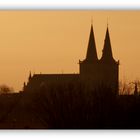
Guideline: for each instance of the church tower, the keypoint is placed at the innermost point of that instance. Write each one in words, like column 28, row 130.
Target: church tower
column 107, row 55
column 91, row 51
column 103, row 72
column 109, row 67
column 88, row 66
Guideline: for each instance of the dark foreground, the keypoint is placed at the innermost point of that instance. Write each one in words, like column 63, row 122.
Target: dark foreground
column 71, row 107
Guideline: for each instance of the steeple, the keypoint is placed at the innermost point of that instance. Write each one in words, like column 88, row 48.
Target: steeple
column 107, row 51
column 24, row 86
column 30, row 76
column 91, row 51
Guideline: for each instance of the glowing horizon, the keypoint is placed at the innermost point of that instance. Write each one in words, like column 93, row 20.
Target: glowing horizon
column 54, row 41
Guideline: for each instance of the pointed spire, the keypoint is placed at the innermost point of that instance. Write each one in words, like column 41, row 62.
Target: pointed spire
column 24, row 86
column 91, row 21
column 91, row 51
column 30, row 75
column 107, row 50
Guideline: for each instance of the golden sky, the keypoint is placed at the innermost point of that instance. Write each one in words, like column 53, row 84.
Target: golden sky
column 54, row 41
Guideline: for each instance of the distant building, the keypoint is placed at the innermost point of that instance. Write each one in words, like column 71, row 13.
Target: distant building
column 93, row 72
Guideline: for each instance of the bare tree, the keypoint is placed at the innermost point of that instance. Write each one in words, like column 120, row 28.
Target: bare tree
column 125, row 88
column 4, row 89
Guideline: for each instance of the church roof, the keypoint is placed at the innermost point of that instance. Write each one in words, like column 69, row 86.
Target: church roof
column 91, row 51
column 54, row 77
column 107, row 50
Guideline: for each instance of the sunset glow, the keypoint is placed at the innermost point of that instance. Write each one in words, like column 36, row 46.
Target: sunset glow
column 54, row 41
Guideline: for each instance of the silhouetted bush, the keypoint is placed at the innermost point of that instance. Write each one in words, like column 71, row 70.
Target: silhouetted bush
column 4, row 89
column 72, row 106
column 67, row 106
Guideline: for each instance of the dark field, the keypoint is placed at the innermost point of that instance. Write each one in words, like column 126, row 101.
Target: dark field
column 69, row 107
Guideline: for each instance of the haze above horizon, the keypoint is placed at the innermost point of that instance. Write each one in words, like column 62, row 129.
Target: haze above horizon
column 54, row 41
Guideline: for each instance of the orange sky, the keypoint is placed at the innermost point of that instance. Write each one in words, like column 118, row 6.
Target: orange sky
column 54, row 41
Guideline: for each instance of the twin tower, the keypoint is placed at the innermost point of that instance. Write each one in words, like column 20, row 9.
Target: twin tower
column 93, row 72
column 104, row 71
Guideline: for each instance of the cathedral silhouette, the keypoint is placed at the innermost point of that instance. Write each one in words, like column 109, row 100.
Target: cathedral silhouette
column 93, row 72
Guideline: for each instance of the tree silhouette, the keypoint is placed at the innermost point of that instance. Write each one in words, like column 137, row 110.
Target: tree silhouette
column 4, row 89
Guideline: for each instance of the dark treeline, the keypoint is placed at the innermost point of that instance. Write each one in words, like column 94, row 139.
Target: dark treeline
column 74, row 106
column 70, row 107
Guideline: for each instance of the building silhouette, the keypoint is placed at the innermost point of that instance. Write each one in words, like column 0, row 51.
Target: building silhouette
column 93, row 72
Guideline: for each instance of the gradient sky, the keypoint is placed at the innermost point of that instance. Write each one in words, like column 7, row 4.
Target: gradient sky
column 54, row 41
